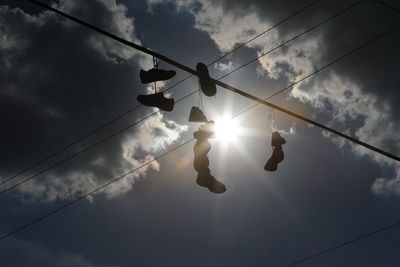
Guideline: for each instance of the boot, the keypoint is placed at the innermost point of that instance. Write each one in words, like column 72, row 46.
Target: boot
column 154, row 75
column 205, row 179
column 205, row 131
column 207, row 86
column 277, row 154
column 157, row 100
column 275, row 159
column 196, row 115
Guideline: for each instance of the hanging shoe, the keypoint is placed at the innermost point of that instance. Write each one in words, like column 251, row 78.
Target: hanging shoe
column 276, row 158
column 277, row 154
column 205, row 179
column 154, row 75
column 196, row 115
column 277, row 139
column 207, row 86
column 205, row 131
column 200, row 150
column 157, row 100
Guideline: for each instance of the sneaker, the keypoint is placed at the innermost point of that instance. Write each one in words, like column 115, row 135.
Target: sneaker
column 196, row 115
column 207, row 86
column 277, row 139
column 154, row 75
column 200, row 150
column 275, row 159
column 205, row 179
column 205, row 131
column 157, row 100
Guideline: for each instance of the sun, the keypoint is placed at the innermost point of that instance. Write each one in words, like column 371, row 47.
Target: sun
column 227, row 130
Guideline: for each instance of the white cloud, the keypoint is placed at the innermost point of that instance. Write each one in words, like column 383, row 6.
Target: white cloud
column 228, row 29
column 358, row 114
column 153, row 136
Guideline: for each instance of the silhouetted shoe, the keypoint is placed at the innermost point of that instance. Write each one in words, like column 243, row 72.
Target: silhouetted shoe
column 275, row 159
column 157, row 100
column 154, row 75
column 271, row 166
column 205, row 179
column 206, row 84
column 196, row 115
column 205, row 131
column 277, row 139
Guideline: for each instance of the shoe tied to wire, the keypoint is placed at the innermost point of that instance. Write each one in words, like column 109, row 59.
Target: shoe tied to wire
column 277, row 139
column 205, row 131
column 277, row 154
column 206, row 84
column 154, row 75
column 157, row 100
column 205, row 179
column 196, row 115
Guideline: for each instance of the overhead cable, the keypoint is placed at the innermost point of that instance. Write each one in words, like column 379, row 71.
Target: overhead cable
column 101, row 127
column 226, row 86
column 229, row 73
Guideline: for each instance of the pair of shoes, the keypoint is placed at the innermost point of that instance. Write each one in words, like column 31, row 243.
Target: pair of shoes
column 207, row 86
column 277, row 154
column 205, row 179
column 154, row 75
column 196, row 115
column 157, row 100
column 205, row 131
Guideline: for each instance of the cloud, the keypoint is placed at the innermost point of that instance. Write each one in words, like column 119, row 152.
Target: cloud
column 358, row 114
column 60, row 80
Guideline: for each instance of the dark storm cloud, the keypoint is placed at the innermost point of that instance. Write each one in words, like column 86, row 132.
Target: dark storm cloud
column 59, row 81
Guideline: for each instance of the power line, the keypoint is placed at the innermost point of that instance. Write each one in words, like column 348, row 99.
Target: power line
column 74, row 155
column 387, row 5
column 224, row 85
column 89, row 193
column 264, row 32
column 238, row 68
column 345, row 243
column 90, row 133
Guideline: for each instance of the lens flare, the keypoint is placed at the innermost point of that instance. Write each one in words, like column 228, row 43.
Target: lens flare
column 227, row 129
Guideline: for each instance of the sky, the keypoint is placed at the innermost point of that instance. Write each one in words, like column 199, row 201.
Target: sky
column 59, row 81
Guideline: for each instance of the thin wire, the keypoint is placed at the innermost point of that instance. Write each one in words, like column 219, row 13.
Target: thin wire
column 264, row 32
column 89, row 193
column 305, row 32
column 70, row 203
column 387, row 5
column 240, row 67
column 90, row 133
column 329, row 64
column 86, row 149
column 348, row 242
